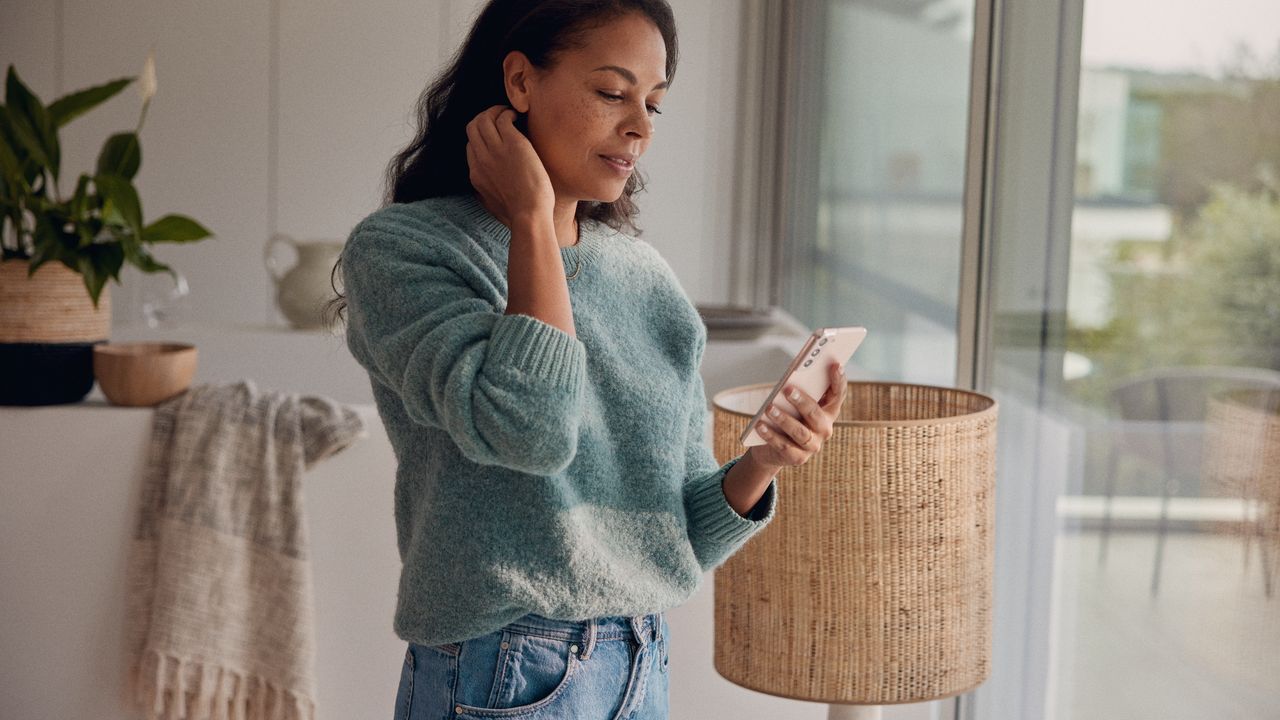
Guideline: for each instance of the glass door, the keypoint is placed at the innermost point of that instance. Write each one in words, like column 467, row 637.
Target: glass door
column 1135, row 350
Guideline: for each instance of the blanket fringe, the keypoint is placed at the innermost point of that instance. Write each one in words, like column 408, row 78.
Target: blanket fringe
column 158, row 687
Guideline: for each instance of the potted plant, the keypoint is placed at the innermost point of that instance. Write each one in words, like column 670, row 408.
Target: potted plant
column 58, row 251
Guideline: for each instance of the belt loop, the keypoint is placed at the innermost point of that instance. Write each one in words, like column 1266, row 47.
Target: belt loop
column 657, row 626
column 590, row 639
column 637, row 627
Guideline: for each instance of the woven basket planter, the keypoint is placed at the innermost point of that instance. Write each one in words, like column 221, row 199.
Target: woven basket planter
column 1242, row 459
column 1242, row 444
column 48, row 327
column 873, row 583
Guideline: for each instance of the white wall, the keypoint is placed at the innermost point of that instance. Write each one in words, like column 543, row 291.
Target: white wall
column 350, row 74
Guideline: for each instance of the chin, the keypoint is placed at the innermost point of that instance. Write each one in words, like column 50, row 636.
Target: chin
column 612, row 195
column 604, row 192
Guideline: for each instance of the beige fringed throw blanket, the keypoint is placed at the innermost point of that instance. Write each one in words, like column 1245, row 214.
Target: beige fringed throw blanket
column 219, row 589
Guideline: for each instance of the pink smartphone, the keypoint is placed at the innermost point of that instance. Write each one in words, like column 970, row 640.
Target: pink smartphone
column 809, row 371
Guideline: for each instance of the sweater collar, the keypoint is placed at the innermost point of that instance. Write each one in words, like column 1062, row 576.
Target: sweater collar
column 592, row 234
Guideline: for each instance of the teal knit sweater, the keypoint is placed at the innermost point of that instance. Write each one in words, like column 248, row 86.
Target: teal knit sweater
column 537, row 471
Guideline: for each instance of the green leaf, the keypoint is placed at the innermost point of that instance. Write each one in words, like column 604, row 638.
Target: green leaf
column 69, row 107
column 141, row 259
column 174, row 228
column 86, row 236
column 28, row 140
column 129, row 242
column 107, row 259
column 81, row 203
column 47, row 245
column 121, row 200
column 93, row 279
column 10, row 165
column 28, row 168
column 121, row 155
column 31, row 122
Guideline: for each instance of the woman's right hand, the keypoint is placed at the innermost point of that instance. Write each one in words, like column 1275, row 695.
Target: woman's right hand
column 506, row 170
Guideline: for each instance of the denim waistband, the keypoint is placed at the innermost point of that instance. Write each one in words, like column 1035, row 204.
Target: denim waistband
column 643, row 629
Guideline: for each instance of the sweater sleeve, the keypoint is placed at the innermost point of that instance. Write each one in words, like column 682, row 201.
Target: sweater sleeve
column 506, row 388
column 716, row 530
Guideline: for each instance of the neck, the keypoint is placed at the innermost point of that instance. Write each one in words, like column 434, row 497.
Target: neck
column 562, row 216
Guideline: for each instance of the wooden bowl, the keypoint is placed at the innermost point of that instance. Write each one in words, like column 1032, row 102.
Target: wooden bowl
column 143, row 373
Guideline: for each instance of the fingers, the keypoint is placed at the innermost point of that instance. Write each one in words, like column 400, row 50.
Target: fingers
column 475, row 129
column 778, row 441
column 483, row 136
column 801, row 400
column 506, row 122
column 473, row 165
column 798, row 438
column 488, row 131
column 793, row 428
column 487, row 125
column 834, row 396
column 474, row 141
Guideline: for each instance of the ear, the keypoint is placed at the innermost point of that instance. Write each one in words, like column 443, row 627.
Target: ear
column 517, row 76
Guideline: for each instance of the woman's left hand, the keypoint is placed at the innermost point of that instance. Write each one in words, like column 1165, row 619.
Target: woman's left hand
column 792, row 441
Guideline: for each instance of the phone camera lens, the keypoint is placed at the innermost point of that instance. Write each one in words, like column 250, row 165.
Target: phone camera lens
column 814, row 353
column 807, row 363
column 823, row 341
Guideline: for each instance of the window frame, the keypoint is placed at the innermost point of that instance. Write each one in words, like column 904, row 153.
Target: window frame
column 1017, row 193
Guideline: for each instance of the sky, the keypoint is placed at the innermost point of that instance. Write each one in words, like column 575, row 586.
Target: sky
column 1176, row 35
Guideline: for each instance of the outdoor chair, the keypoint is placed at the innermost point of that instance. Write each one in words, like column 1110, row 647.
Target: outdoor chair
column 1174, row 402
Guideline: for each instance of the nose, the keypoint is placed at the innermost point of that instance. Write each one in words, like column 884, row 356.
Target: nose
column 639, row 124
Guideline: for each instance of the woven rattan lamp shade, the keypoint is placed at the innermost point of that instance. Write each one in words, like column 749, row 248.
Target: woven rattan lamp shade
column 873, row 582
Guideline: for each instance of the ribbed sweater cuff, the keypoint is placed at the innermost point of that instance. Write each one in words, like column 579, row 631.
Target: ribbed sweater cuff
column 713, row 516
column 538, row 349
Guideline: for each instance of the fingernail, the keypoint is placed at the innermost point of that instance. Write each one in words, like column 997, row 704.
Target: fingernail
column 773, row 412
column 764, row 429
column 795, row 394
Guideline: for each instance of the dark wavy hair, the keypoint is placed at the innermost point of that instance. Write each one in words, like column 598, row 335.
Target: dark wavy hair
column 435, row 163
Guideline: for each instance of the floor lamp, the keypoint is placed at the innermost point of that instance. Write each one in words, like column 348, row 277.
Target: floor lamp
column 872, row 585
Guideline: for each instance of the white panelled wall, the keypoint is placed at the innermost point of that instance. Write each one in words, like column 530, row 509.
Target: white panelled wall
column 349, row 76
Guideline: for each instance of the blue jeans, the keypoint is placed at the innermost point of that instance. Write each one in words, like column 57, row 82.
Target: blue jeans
column 611, row 668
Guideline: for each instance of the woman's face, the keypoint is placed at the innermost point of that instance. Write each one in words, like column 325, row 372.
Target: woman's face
column 598, row 102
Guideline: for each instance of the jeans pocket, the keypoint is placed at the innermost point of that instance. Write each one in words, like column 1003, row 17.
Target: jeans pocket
column 510, row 673
column 404, row 694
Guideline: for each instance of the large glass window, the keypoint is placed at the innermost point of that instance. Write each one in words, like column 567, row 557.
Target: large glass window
column 1139, row 373
column 874, row 238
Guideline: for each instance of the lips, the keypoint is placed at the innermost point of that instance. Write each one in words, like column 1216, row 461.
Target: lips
column 622, row 162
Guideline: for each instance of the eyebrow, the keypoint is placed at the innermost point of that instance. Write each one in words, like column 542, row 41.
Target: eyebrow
column 630, row 76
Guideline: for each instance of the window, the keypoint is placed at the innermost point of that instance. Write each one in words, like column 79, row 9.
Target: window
column 1135, row 242
column 1074, row 206
column 867, row 209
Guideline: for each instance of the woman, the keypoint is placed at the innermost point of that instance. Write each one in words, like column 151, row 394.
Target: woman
column 537, row 372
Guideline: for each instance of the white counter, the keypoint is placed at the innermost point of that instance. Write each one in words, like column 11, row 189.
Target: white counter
column 68, row 500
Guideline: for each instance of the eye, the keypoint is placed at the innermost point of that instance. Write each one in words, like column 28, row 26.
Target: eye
column 653, row 109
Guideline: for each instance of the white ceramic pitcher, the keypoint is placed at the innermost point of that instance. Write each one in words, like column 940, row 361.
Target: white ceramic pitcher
column 303, row 289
